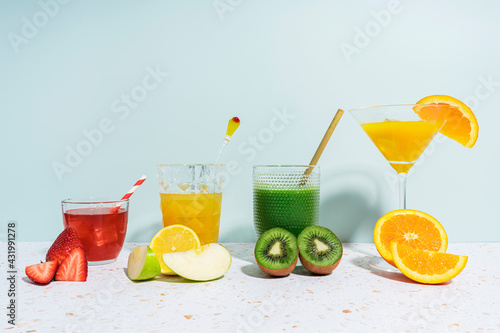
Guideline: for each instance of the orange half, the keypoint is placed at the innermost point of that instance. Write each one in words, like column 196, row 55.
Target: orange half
column 461, row 124
column 426, row 266
column 411, row 227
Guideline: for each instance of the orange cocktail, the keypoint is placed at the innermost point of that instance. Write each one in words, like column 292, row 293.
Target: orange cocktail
column 198, row 211
column 401, row 142
column 400, row 134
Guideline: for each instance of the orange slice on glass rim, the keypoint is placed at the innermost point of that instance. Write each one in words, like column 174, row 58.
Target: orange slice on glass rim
column 426, row 266
column 461, row 124
column 411, row 227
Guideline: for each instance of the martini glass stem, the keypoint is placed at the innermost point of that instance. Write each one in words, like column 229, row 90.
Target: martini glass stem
column 402, row 190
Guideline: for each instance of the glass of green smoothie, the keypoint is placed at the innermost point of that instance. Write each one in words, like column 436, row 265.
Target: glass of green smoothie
column 285, row 196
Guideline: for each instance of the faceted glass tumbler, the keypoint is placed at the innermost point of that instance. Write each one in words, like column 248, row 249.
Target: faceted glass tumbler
column 191, row 195
column 285, row 196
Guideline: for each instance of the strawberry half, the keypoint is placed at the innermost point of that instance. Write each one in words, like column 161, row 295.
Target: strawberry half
column 74, row 267
column 42, row 273
column 64, row 244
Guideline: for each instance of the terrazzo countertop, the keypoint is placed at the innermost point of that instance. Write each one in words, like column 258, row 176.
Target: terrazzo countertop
column 356, row 297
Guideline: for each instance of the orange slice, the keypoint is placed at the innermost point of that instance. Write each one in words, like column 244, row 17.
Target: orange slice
column 461, row 124
column 174, row 238
column 426, row 266
column 411, row 227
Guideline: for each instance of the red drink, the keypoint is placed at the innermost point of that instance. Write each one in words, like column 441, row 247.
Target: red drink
column 102, row 233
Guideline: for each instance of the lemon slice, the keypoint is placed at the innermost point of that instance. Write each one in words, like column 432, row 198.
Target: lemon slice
column 174, row 238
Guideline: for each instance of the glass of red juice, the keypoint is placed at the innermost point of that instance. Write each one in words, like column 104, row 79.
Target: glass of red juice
column 100, row 224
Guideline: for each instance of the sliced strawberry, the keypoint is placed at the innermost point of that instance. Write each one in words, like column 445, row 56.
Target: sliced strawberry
column 64, row 244
column 74, row 267
column 42, row 273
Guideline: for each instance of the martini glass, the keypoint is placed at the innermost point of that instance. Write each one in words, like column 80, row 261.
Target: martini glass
column 400, row 134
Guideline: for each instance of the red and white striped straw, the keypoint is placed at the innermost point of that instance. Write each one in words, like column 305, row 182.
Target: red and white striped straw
column 129, row 193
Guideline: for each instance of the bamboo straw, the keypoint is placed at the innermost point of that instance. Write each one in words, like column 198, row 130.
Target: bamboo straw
column 322, row 145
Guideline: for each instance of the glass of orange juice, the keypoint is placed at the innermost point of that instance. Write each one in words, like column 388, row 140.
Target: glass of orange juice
column 191, row 195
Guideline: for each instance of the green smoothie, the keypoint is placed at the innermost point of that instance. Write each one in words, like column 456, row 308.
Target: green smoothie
column 292, row 209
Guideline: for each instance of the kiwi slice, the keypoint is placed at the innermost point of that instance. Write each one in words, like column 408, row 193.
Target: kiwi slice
column 276, row 252
column 320, row 250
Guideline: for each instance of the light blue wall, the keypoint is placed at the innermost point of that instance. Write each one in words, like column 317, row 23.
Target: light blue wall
column 252, row 59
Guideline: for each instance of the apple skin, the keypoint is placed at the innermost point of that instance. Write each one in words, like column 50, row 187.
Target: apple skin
column 278, row 272
column 151, row 266
column 320, row 270
column 209, row 262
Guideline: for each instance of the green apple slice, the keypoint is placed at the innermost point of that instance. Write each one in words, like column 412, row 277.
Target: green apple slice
column 143, row 264
column 208, row 262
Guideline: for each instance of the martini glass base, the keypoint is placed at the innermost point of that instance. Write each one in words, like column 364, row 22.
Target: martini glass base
column 380, row 264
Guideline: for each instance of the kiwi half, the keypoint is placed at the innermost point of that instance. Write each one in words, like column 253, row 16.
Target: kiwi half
column 276, row 252
column 320, row 250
